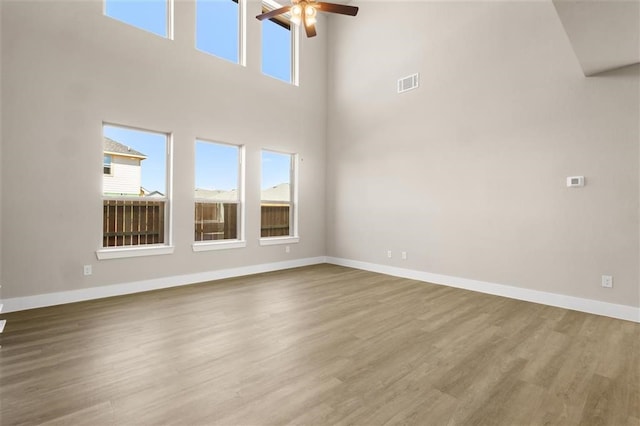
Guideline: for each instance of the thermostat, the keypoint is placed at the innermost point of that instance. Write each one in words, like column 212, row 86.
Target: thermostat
column 575, row 181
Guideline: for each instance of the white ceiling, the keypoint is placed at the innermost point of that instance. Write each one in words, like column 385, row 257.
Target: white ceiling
column 605, row 34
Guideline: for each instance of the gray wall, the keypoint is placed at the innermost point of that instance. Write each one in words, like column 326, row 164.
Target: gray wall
column 66, row 68
column 467, row 173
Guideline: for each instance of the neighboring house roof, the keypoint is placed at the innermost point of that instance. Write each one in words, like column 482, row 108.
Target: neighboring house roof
column 280, row 192
column 216, row 194
column 148, row 193
column 116, row 148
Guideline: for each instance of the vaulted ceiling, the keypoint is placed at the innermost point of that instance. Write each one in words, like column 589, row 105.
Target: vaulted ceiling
column 604, row 34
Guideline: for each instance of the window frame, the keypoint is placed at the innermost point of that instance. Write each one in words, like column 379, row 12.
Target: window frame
column 169, row 25
column 104, row 165
column 293, row 236
column 242, row 25
column 294, row 30
column 117, row 252
column 240, row 241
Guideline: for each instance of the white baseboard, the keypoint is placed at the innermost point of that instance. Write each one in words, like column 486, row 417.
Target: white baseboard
column 60, row 298
column 625, row 312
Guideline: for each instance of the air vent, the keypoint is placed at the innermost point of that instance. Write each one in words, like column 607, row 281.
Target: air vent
column 408, row 83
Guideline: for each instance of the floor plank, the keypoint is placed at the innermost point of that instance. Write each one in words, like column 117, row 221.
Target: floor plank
column 319, row 345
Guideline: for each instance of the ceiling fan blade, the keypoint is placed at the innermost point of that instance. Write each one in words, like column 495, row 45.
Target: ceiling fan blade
column 272, row 13
column 342, row 9
column 309, row 27
column 311, row 30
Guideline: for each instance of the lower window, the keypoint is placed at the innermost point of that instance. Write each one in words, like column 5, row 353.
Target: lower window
column 135, row 200
column 277, row 198
column 218, row 195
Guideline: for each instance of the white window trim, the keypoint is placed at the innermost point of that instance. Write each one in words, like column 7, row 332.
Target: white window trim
column 242, row 31
column 295, row 44
column 294, row 237
column 120, row 252
column 295, row 54
column 170, row 20
column 273, row 241
column 217, row 245
column 133, row 251
column 209, row 245
column 294, row 194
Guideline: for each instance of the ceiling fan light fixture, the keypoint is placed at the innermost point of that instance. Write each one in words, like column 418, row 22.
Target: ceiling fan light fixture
column 310, row 11
column 304, row 12
column 296, row 14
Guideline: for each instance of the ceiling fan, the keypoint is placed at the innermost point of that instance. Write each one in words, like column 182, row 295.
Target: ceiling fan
column 305, row 11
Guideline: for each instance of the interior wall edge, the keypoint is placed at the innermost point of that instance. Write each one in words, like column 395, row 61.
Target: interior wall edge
column 63, row 297
column 623, row 312
column 612, row 310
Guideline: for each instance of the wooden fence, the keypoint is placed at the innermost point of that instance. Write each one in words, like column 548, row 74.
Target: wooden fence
column 274, row 220
column 216, row 221
column 132, row 222
column 140, row 222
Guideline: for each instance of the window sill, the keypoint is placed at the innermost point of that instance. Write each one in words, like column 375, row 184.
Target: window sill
column 120, row 253
column 218, row 245
column 272, row 241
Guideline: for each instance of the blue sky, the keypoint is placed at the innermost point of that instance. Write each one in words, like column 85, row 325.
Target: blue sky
column 216, row 165
column 276, row 48
column 216, row 30
column 276, row 169
column 216, row 34
column 150, row 15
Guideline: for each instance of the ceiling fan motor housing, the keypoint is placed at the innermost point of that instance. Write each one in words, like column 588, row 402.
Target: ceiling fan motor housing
column 304, row 12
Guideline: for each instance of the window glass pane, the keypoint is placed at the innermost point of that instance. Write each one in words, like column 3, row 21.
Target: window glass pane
column 135, row 203
column 138, row 162
column 216, row 171
column 216, row 191
column 149, row 15
column 276, row 51
column 215, row 221
column 276, row 176
column 276, row 188
column 106, row 166
column 217, row 28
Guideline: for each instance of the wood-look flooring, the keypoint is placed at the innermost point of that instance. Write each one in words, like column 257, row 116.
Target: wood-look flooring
column 320, row 345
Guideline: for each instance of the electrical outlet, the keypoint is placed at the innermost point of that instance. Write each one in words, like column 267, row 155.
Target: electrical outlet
column 287, row 249
column 87, row 270
column 389, row 254
column 404, row 255
column 607, row 281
